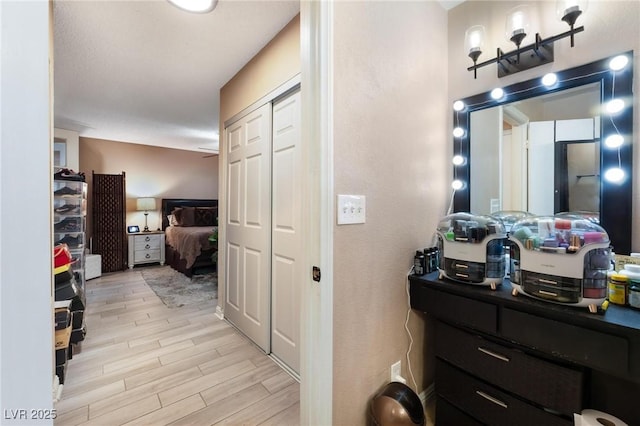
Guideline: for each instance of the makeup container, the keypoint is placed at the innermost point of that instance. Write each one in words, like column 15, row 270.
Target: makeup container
column 472, row 249
column 560, row 260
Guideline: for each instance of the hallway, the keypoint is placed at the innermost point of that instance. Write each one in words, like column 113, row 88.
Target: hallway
column 145, row 363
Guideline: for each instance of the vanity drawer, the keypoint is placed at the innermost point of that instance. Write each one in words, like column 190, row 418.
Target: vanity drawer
column 603, row 351
column 449, row 415
column 488, row 404
column 461, row 310
column 548, row 384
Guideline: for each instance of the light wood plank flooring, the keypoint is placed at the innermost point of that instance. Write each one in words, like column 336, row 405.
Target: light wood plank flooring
column 143, row 363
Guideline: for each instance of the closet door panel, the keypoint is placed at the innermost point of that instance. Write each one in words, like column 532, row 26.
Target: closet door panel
column 248, row 226
column 287, row 272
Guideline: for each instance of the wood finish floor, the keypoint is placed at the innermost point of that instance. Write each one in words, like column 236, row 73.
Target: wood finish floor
column 143, row 363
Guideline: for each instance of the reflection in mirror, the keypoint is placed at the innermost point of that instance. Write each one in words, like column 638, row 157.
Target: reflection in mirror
column 59, row 153
column 545, row 149
column 548, row 151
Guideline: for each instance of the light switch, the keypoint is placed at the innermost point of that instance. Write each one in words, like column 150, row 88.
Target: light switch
column 351, row 209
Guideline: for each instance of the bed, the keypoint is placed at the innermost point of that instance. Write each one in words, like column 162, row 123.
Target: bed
column 188, row 248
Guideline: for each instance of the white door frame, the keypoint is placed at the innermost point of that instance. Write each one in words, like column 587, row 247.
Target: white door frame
column 316, row 321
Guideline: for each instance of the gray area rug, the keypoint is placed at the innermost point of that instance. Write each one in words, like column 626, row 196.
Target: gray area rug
column 176, row 290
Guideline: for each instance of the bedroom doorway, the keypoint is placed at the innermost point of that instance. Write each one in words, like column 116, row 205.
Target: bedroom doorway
column 263, row 240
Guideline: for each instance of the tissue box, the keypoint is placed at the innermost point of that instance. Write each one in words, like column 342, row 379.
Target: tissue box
column 92, row 266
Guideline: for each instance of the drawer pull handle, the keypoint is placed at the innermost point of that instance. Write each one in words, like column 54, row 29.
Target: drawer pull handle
column 492, row 399
column 462, row 275
column 147, row 238
column 461, row 266
column 548, row 293
column 547, row 281
column 148, row 256
column 147, row 246
column 493, row 354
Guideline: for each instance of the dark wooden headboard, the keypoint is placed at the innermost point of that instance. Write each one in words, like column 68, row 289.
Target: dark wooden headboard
column 168, row 204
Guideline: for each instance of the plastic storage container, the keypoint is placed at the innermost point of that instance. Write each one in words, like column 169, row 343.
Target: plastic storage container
column 560, row 259
column 472, row 249
column 510, row 217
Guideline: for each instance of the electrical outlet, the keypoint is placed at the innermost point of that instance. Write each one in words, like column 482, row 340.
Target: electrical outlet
column 396, row 371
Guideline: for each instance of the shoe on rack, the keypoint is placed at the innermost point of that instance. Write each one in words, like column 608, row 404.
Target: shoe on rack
column 68, row 174
column 62, row 259
column 65, row 191
column 67, row 208
column 67, row 224
column 63, row 277
column 72, row 242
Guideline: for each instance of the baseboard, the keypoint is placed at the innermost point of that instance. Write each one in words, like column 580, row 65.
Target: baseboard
column 427, row 394
column 219, row 312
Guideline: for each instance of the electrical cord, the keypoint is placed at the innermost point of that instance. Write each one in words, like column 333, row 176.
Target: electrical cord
column 406, row 327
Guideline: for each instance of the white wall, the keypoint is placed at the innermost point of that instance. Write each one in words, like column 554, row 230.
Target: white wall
column 390, row 144
column 26, row 319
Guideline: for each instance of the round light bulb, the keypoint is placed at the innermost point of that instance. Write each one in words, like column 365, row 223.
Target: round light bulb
column 614, row 174
column 615, row 106
column 458, row 106
column 497, row 93
column 458, row 160
column 457, row 184
column 618, row 63
column 458, row 132
column 549, row 79
column 614, row 141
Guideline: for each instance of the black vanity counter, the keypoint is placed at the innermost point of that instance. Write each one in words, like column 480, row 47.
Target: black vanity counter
column 604, row 348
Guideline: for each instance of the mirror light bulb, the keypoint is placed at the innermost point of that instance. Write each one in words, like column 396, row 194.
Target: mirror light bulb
column 457, row 184
column 458, row 160
column 458, row 106
column 615, row 106
column 549, row 79
column 618, row 63
column 614, row 174
column 614, row 141
column 497, row 93
column 458, row 132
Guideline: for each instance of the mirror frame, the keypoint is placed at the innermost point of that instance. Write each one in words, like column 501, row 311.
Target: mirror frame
column 615, row 198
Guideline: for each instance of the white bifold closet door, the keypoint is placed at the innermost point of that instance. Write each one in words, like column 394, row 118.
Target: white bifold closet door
column 263, row 244
column 286, row 270
column 248, row 227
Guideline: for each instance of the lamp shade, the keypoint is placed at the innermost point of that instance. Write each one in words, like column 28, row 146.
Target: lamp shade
column 517, row 26
column 570, row 10
column 145, row 204
column 474, row 39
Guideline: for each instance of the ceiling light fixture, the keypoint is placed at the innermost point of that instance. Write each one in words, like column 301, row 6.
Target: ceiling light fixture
column 539, row 52
column 195, row 6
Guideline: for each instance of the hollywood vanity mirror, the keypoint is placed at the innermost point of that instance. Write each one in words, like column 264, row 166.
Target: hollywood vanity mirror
column 564, row 144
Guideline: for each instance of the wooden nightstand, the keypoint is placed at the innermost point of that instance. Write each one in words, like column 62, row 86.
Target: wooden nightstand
column 146, row 247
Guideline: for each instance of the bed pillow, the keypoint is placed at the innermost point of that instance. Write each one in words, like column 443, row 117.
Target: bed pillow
column 205, row 216
column 172, row 220
column 184, row 216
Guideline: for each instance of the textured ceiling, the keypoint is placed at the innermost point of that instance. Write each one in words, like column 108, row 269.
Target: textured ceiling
column 146, row 72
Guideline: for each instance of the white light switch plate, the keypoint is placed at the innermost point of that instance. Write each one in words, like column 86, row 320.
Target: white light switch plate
column 351, row 209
